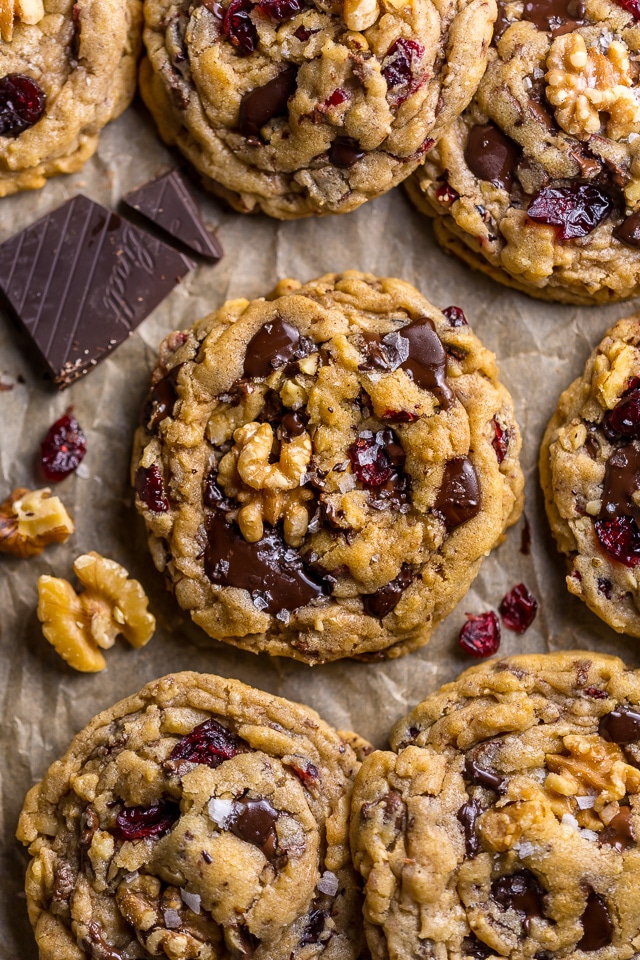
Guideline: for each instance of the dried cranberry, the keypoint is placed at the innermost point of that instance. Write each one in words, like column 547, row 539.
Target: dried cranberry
column 500, row 442
column 239, row 28
column 631, row 6
column 624, row 419
column 401, row 66
column 620, row 538
column 455, row 316
column 136, row 823
column 596, row 693
column 305, row 770
column 302, row 34
column 400, row 416
column 150, row 489
column 518, row 609
column 281, row 10
column 63, row 448
column 209, row 743
column 338, row 97
column 605, row 586
column 480, row 636
column 370, row 457
column 575, row 211
column 446, row 194
column 22, row 103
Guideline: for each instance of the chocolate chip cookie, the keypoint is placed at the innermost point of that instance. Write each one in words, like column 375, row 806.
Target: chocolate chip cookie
column 66, row 69
column 298, row 107
column 505, row 822
column 200, row 819
column 590, row 474
column 538, row 184
column 322, row 472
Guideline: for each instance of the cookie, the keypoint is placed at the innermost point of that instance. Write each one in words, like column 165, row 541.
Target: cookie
column 538, row 184
column 299, row 107
column 66, row 69
column 590, row 474
column 505, row 822
column 322, row 472
column 199, row 819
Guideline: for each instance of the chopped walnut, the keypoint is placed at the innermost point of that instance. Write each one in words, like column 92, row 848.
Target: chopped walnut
column 30, row 520
column 360, row 14
column 268, row 491
column 28, row 11
column 583, row 83
column 592, row 764
column 78, row 625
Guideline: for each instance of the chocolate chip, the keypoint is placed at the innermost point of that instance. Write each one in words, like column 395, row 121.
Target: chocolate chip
column 344, row 152
column 482, row 777
column 254, row 821
column 459, row 497
column 315, row 926
column 472, row 947
column 293, row 425
column 555, row 16
column 468, row 815
column 386, row 598
column 621, row 481
column 619, row 832
column 521, row 892
column 621, row 726
column 263, row 104
column 273, row 346
column 491, row 155
column 596, row 924
column 629, row 230
column 427, row 360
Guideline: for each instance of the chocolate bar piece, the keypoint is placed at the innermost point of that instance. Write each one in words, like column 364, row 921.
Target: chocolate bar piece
column 81, row 279
column 168, row 203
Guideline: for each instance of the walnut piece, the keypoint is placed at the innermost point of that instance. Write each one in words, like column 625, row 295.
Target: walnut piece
column 30, row 520
column 592, row 765
column 360, row 14
column 27, row 11
column 268, row 491
column 78, row 625
column 583, row 83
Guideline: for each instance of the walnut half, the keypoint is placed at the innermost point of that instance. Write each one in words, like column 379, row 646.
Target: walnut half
column 78, row 626
column 28, row 11
column 31, row 519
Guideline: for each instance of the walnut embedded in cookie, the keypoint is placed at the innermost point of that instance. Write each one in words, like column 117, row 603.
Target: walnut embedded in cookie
column 538, row 183
column 298, row 107
column 322, row 472
column 506, row 821
column 198, row 820
column 590, row 473
column 66, row 69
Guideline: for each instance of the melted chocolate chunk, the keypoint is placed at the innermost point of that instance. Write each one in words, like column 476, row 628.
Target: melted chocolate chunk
column 491, row 155
column 314, row 928
column 621, row 481
column 520, row 891
column 268, row 569
column 254, row 821
column 344, row 152
column 555, row 16
column 468, row 815
column 502, row 23
column 293, row 425
column 619, row 833
column 472, row 947
column 160, row 400
column 629, row 230
column 427, row 360
column 596, row 923
column 483, row 778
column 459, row 496
column 621, row 726
column 386, row 598
column 96, row 945
column 273, row 346
column 263, row 104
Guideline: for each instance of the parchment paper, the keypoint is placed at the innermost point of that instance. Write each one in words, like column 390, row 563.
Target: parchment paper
column 541, row 348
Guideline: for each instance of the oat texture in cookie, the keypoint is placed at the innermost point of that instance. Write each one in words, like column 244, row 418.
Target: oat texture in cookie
column 538, row 183
column 322, row 471
column 504, row 822
column 198, row 820
column 298, row 107
column 66, row 69
column 590, row 474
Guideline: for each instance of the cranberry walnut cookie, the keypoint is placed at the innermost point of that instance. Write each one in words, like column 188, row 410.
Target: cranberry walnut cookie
column 200, row 818
column 505, row 822
column 538, row 184
column 322, row 472
column 590, row 474
column 67, row 67
column 298, row 107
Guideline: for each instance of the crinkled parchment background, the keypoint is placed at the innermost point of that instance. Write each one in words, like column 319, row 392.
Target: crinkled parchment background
column 541, row 348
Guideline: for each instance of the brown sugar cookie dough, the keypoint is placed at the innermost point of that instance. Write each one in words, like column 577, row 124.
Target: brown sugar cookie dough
column 538, row 184
column 298, row 107
column 505, row 822
column 200, row 819
column 322, row 472
column 590, row 474
column 66, row 69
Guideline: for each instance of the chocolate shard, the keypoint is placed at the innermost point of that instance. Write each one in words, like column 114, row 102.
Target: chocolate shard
column 168, row 203
column 81, row 279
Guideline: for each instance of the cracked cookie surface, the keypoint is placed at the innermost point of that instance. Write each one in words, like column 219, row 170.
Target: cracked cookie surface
column 538, row 183
column 505, row 821
column 590, row 474
column 200, row 819
column 65, row 72
column 298, row 107
column 322, row 472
